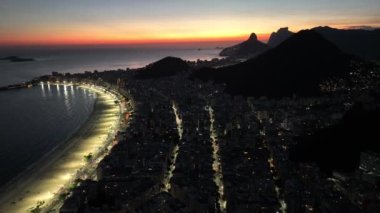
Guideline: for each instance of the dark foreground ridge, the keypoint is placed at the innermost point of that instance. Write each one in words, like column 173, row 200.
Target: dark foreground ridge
column 297, row 66
column 360, row 42
column 163, row 68
column 353, row 135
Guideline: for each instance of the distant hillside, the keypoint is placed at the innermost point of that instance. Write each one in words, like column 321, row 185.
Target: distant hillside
column 16, row 59
column 296, row 66
column 248, row 48
column 278, row 37
column 338, row 147
column 360, row 42
column 163, row 68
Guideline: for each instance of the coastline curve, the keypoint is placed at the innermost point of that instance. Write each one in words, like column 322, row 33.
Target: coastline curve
column 43, row 185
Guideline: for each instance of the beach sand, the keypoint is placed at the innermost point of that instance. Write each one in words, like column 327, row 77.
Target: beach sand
column 57, row 169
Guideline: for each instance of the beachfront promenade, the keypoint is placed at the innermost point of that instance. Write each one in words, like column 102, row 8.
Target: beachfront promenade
column 46, row 184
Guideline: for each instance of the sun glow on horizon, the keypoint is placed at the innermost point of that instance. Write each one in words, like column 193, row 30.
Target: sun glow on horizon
column 73, row 22
column 99, row 36
column 98, row 41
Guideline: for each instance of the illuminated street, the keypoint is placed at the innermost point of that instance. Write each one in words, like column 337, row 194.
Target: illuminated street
column 216, row 165
column 275, row 178
column 273, row 171
column 173, row 159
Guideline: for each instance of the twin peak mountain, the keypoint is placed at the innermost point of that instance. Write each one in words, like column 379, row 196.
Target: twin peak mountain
column 364, row 43
column 253, row 46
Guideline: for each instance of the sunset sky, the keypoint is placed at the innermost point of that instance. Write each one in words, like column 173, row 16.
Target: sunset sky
column 41, row 22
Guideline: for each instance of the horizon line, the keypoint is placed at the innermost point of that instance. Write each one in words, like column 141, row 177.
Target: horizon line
column 75, row 42
column 135, row 42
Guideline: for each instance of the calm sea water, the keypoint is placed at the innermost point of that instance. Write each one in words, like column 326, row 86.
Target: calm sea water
column 34, row 121
column 86, row 59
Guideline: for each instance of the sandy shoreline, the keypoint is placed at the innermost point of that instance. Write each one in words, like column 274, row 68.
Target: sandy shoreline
column 56, row 169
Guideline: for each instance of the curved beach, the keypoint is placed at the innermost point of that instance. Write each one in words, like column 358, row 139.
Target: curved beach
column 56, row 171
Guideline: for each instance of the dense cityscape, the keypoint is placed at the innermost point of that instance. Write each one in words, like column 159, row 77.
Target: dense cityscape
column 196, row 106
column 190, row 147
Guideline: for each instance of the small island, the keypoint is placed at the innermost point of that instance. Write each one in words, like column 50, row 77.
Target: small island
column 17, row 59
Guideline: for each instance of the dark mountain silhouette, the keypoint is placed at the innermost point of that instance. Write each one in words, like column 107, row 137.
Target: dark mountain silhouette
column 360, row 42
column 248, row 48
column 296, row 66
column 163, row 68
column 339, row 147
column 278, row 37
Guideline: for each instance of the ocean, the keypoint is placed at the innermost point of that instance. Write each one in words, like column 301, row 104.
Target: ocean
column 34, row 121
column 75, row 60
